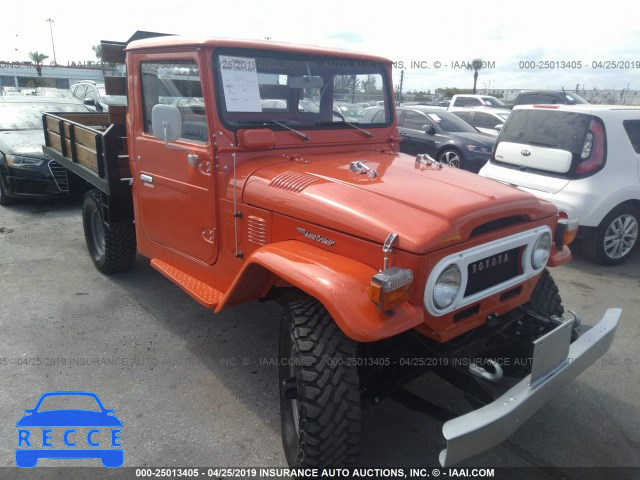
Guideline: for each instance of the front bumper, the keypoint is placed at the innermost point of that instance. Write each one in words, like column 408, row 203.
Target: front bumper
column 44, row 180
column 490, row 425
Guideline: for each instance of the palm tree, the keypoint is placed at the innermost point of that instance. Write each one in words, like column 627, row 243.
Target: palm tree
column 38, row 58
column 97, row 50
column 475, row 65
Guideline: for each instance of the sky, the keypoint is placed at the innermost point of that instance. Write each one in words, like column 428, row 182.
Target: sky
column 514, row 38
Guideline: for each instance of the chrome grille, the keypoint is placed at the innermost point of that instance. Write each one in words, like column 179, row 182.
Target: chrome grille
column 59, row 175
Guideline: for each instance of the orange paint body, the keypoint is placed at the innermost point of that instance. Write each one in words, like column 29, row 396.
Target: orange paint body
column 302, row 217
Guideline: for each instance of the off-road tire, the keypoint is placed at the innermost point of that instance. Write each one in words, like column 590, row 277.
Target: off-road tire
column 315, row 360
column 594, row 247
column 545, row 298
column 112, row 250
column 4, row 199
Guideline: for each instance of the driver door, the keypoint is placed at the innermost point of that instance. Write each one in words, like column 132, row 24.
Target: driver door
column 175, row 197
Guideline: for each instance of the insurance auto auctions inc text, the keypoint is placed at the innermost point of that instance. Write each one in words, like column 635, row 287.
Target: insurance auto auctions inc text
column 352, row 472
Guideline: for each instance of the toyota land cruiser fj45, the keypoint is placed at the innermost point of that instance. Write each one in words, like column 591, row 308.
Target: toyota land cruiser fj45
column 233, row 173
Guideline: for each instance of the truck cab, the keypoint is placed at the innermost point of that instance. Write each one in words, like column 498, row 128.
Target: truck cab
column 243, row 183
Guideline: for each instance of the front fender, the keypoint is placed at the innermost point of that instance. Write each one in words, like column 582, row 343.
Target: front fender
column 340, row 284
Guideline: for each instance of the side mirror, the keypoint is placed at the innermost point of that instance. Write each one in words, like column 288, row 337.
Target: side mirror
column 89, row 101
column 499, row 126
column 166, row 125
column 166, row 122
column 429, row 129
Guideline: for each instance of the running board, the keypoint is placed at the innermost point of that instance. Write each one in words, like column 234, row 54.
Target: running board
column 201, row 292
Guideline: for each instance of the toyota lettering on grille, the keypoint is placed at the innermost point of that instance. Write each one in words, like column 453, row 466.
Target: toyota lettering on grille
column 489, row 262
column 491, row 271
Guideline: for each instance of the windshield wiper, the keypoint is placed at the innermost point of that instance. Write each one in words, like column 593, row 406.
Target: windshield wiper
column 352, row 125
column 297, row 132
column 280, row 124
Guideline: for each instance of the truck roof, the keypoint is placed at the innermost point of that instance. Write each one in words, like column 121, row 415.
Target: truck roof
column 179, row 41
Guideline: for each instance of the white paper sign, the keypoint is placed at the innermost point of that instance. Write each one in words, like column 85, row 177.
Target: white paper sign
column 240, row 84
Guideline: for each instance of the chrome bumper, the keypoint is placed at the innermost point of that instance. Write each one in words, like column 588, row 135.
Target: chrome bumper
column 486, row 427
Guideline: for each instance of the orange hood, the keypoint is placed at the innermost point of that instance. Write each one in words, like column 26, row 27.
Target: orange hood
column 428, row 208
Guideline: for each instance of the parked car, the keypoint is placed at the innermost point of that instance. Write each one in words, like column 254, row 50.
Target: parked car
column 548, row 97
column 472, row 100
column 374, row 115
column 584, row 159
column 93, row 94
column 444, row 136
column 24, row 170
column 487, row 120
column 350, row 111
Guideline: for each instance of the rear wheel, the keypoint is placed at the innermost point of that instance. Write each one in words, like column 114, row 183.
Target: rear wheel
column 616, row 237
column 319, row 389
column 112, row 247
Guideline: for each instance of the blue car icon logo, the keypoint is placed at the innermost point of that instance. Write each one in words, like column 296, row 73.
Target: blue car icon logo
column 69, row 433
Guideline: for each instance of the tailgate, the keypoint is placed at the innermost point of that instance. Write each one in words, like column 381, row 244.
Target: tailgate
column 530, row 180
column 532, row 156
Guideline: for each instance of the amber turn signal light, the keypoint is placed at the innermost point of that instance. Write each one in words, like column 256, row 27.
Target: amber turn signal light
column 566, row 232
column 391, row 287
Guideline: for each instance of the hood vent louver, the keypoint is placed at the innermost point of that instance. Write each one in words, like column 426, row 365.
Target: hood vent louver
column 293, row 181
column 257, row 230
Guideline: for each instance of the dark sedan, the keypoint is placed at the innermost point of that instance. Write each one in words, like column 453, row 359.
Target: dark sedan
column 25, row 172
column 444, row 136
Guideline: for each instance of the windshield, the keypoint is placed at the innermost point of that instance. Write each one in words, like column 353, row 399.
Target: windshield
column 492, row 101
column 573, row 98
column 450, row 122
column 302, row 91
column 555, row 129
column 28, row 116
column 503, row 116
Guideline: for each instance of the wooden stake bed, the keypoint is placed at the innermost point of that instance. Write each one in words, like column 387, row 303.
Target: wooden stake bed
column 89, row 146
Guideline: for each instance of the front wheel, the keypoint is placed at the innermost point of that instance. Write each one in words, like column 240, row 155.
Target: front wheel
column 616, row 237
column 319, row 389
column 451, row 158
column 4, row 199
column 112, row 246
column 545, row 298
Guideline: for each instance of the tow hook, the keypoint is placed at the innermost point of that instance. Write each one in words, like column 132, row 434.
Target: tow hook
column 480, row 372
column 577, row 319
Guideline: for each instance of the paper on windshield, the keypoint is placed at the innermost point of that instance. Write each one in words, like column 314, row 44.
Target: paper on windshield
column 240, row 84
column 434, row 117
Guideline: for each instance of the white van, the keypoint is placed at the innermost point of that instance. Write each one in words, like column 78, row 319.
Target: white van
column 586, row 160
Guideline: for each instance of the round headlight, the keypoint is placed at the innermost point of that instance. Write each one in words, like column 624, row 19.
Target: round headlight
column 541, row 251
column 447, row 287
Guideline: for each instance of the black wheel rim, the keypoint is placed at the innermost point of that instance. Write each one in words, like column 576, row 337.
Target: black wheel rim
column 97, row 233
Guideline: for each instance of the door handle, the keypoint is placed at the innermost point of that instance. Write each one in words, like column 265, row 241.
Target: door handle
column 146, row 178
column 403, row 134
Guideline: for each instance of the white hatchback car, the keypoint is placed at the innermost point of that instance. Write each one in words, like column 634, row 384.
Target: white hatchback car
column 586, row 160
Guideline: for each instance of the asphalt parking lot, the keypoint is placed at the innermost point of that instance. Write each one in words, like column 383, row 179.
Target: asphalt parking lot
column 196, row 389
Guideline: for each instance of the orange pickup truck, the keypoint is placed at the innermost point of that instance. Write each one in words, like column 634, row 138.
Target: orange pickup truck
column 234, row 172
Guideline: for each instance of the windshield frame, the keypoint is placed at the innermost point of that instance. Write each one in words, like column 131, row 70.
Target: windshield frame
column 356, row 66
